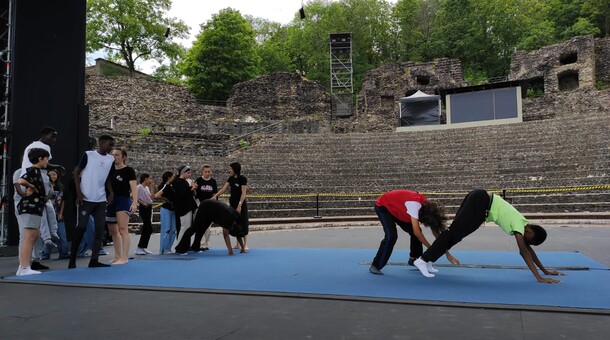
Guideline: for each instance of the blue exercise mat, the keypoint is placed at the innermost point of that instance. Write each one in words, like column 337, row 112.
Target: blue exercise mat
column 344, row 272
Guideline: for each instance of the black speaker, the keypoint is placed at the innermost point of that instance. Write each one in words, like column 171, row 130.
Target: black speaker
column 47, row 83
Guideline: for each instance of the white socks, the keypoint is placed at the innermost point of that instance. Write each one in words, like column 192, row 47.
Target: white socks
column 430, row 268
column 423, row 267
column 22, row 271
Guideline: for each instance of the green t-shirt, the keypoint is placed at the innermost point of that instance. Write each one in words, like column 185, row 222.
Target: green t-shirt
column 506, row 216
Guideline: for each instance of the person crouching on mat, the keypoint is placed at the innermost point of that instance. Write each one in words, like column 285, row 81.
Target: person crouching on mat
column 213, row 211
column 407, row 209
column 479, row 207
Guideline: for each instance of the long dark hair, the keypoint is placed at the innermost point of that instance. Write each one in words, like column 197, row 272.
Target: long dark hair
column 236, row 168
column 164, row 178
column 432, row 214
column 57, row 185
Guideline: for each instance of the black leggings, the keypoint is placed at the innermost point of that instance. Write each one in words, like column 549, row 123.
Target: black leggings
column 469, row 217
column 243, row 216
column 146, row 215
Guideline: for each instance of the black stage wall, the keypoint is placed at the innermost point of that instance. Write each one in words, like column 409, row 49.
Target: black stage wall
column 48, row 83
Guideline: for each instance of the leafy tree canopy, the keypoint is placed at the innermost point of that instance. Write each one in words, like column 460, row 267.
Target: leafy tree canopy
column 482, row 34
column 224, row 54
column 128, row 30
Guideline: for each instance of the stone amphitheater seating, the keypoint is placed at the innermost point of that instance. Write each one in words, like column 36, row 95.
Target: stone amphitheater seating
column 566, row 151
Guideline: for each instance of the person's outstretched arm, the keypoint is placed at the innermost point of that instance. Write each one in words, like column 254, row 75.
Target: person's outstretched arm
column 418, row 232
column 221, row 191
column 524, row 251
column 539, row 264
column 448, row 255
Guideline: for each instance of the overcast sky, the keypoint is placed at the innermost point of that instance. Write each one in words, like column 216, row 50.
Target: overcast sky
column 196, row 12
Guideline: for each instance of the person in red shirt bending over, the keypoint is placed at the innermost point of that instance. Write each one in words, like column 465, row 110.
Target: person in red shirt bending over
column 408, row 209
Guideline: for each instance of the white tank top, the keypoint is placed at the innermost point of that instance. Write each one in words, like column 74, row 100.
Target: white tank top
column 93, row 177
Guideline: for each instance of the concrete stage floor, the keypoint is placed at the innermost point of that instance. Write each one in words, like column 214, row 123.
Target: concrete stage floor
column 30, row 311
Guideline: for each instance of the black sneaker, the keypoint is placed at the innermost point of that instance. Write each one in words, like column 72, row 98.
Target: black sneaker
column 411, row 261
column 38, row 266
column 180, row 251
column 97, row 264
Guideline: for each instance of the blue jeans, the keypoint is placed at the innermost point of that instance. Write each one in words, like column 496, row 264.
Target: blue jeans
column 62, row 244
column 168, row 229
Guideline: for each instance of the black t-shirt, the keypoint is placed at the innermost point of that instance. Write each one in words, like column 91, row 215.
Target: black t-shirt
column 169, row 194
column 205, row 188
column 185, row 201
column 120, row 180
column 33, row 204
column 235, row 183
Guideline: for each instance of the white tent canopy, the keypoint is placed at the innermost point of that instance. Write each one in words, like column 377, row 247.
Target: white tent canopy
column 420, row 109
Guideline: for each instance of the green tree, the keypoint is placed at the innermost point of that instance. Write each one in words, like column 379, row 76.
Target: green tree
column 369, row 21
column 414, row 20
column 308, row 39
column 485, row 34
column 582, row 26
column 563, row 14
column 271, row 38
column 373, row 34
column 128, row 30
column 223, row 54
column 169, row 72
column 598, row 12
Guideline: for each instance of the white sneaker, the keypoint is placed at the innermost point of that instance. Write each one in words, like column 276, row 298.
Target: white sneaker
column 140, row 251
column 147, row 251
column 23, row 271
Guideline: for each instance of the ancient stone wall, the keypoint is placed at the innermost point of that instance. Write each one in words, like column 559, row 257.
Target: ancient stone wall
column 384, row 86
column 602, row 60
column 584, row 101
column 565, row 66
column 134, row 103
column 279, row 96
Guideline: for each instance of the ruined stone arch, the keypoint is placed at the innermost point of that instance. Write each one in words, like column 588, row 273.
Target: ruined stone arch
column 568, row 80
column 567, row 58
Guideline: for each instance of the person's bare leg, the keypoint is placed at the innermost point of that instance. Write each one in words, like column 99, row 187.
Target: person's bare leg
column 116, row 241
column 240, row 241
column 206, row 238
column 245, row 243
column 29, row 237
column 225, row 235
column 123, row 229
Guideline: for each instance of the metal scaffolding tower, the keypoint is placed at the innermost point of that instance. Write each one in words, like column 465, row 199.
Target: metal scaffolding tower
column 341, row 74
column 5, row 57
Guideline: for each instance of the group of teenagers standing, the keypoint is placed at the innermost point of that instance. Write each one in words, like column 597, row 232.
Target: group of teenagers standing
column 107, row 194
column 193, row 206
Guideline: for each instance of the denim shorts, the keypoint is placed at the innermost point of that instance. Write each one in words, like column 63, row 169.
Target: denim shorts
column 30, row 221
column 120, row 203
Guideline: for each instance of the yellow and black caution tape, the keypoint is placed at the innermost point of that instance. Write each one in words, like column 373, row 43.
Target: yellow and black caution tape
column 563, row 189
column 429, row 193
